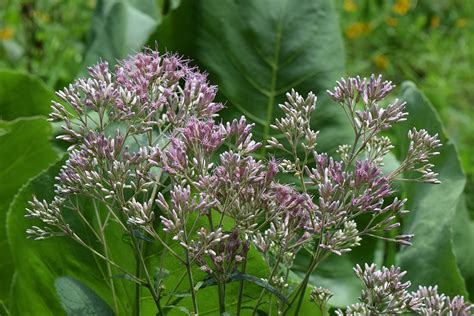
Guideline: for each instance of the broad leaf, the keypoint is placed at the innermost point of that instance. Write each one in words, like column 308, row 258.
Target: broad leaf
column 177, row 30
column 463, row 239
column 120, row 28
column 78, row 300
column 256, row 51
column 431, row 259
column 23, row 95
column 25, row 150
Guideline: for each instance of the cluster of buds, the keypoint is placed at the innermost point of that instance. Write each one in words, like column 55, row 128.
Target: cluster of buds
column 116, row 121
column 320, row 296
column 430, row 302
column 368, row 118
column 422, row 147
column 221, row 257
column 337, row 191
column 385, row 294
column 148, row 151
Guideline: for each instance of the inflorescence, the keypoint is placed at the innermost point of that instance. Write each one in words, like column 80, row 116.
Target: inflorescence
column 149, row 152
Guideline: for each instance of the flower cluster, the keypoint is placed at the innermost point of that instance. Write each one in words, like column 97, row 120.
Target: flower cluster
column 337, row 191
column 370, row 118
column 116, row 120
column 385, row 294
column 150, row 154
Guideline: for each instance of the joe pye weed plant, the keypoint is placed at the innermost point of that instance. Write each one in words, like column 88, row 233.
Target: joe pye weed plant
column 151, row 155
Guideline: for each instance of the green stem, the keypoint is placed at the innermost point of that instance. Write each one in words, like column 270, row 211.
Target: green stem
column 302, row 293
column 191, row 283
column 149, row 280
column 269, row 279
column 221, row 292
column 241, row 288
column 106, row 254
column 301, row 290
column 137, row 287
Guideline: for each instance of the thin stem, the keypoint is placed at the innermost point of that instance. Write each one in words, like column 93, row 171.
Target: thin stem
column 176, row 287
column 4, row 307
column 137, row 287
column 188, row 267
column 221, row 292
column 157, row 236
column 106, row 253
column 300, row 292
column 241, row 287
column 98, row 254
column 272, row 273
column 191, row 283
column 145, row 270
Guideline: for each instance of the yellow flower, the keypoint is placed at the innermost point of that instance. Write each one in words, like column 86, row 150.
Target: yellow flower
column 6, row 33
column 392, row 21
column 381, row 61
column 357, row 29
column 350, row 6
column 461, row 23
column 401, row 7
column 434, row 22
column 42, row 16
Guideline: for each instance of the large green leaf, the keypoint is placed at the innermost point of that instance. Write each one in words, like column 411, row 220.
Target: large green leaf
column 78, row 300
column 120, row 27
column 256, row 51
column 431, row 259
column 177, row 30
column 22, row 95
column 39, row 263
column 25, row 150
column 463, row 238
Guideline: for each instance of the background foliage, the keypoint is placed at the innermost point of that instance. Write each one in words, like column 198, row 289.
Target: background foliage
column 254, row 51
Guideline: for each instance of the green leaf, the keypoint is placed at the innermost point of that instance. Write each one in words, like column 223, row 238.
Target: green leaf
column 39, row 263
column 431, row 259
column 250, row 278
column 258, row 281
column 25, row 150
column 23, row 95
column 463, row 239
column 78, row 300
column 177, row 30
column 256, row 51
column 120, row 27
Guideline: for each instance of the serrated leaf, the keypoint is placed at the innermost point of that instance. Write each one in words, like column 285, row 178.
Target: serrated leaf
column 79, row 300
